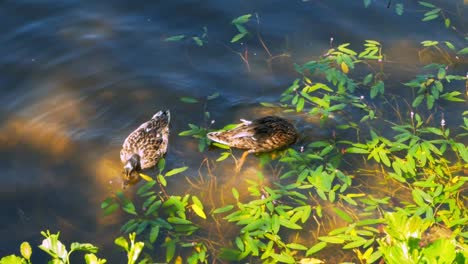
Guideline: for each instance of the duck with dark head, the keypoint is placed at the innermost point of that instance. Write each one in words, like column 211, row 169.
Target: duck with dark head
column 260, row 135
column 145, row 146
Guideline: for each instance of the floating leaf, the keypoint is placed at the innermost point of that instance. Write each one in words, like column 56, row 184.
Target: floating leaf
column 463, row 51
column 296, row 246
column 241, row 19
column 447, row 22
column 343, row 215
column 174, row 38
column 189, row 100
column 399, row 8
column 238, row 37
column 198, row 41
column 175, row 171
column 430, row 17
column 426, row 4
column 316, row 248
column 332, row 239
column 223, row 209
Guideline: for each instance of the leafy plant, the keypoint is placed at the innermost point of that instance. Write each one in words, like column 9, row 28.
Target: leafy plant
column 199, row 40
column 56, row 250
column 239, row 23
column 159, row 215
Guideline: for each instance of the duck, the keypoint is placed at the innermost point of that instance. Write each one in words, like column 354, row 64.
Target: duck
column 145, row 146
column 264, row 134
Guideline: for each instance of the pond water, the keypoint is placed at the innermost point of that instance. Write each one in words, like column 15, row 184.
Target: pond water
column 78, row 76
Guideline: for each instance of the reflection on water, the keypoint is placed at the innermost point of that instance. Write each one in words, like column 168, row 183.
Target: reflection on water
column 78, row 77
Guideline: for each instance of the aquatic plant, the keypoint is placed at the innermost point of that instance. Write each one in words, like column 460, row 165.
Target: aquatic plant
column 60, row 255
column 317, row 198
column 163, row 218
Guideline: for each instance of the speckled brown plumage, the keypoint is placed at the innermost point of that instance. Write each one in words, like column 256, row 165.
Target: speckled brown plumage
column 261, row 135
column 145, row 146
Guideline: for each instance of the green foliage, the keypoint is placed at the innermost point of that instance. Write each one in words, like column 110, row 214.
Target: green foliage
column 160, row 217
column 430, row 87
column 133, row 249
column 412, row 240
column 409, row 147
column 262, row 220
column 199, row 40
column 239, row 23
column 57, row 251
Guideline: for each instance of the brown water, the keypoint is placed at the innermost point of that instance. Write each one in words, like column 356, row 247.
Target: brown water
column 78, row 76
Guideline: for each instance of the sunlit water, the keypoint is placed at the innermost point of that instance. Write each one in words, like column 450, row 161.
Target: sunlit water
column 78, row 76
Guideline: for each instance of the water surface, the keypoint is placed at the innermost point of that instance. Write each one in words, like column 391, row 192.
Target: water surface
column 78, row 76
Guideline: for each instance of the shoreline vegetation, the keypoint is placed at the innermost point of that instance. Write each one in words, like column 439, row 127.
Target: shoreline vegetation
column 393, row 190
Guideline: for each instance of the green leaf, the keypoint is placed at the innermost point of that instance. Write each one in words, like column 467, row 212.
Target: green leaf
column 175, row 171
column 111, row 208
column 223, row 209
column 199, row 211
column 198, row 41
column 238, row 37
column 418, row 100
column 426, row 4
column 162, row 180
column 178, row 221
column 235, row 193
column 343, row 49
column 449, row 45
column 161, row 164
column 241, row 19
column 154, row 233
column 463, row 51
column 25, row 250
column 174, row 38
column 357, row 150
column 447, row 22
column 399, row 8
column 288, row 224
column 221, row 146
column 189, row 100
column 368, row 79
column 300, row 104
column 170, row 249
column 12, row 259
column 283, row 258
column 332, row 239
column 75, row 246
column 296, row 246
column 441, row 73
column 355, row 244
column 121, row 242
column 316, row 248
column 430, row 17
column 153, row 207
column 343, row 215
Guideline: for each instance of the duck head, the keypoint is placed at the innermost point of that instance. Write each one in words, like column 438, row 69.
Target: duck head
column 131, row 168
column 163, row 118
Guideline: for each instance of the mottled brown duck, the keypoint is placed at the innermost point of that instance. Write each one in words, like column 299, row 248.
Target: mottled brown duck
column 145, row 146
column 260, row 135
